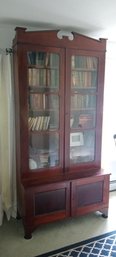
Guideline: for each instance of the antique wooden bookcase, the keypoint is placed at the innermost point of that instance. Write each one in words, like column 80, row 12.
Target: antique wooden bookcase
column 59, row 84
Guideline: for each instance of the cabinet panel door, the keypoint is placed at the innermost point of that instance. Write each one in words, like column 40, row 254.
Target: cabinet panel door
column 45, row 85
column 89, row 194
column 84, row 122
column 50, row 202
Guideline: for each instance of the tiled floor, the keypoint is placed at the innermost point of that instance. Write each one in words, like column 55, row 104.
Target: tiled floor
column 55, row 235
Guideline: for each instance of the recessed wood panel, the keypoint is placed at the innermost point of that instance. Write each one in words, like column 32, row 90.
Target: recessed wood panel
column 90, row 194
column 48, row 202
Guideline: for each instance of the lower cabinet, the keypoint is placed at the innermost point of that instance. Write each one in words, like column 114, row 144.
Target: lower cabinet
column 45, row 204
column 55, row 201
column 52, row 202
column 90, row 194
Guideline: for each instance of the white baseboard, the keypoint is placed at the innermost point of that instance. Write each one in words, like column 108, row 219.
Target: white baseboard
column 113, row 185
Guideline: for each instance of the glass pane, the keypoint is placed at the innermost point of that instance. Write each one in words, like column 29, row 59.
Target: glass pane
column 37, row 58
column 84, row 72
column 43, row 150
column 82, row 145
column 54, row 120
column 82, row 120
column 43, row 115
column 53, row 78
column 43, row 112
column 37, row 102
column 53, row 102
column 43, row 70
column 81, row 102
column 84, row 62
column 83, row 79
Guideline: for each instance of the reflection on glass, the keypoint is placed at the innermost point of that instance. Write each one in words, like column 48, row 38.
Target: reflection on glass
column 44, row 150
column 82, row 146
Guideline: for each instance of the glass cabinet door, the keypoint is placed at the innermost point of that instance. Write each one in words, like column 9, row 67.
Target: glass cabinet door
column 43, row 110
column 83, row 91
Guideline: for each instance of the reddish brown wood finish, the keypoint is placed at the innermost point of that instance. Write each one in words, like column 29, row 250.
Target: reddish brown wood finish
column 90, row 194
column 79, row 189
column 49, row 38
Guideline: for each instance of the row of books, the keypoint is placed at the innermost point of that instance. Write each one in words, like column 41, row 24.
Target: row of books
column 84, row 62
column 83, row 101
column 83, row 79
column 42, row 122
column 36, row 77
column 43, row 77
column 43, row 101
column 43, row 59
column 46, row 59
column 37, row 102
column 39, row 123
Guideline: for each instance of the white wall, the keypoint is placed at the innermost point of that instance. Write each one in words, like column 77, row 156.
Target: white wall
column 109, row 119
column 7, row 33
column 6, row 37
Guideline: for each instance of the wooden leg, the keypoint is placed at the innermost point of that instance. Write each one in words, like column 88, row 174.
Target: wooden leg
column 18, row 217
column 104, row 213
column 27, row 235
column 27, row 229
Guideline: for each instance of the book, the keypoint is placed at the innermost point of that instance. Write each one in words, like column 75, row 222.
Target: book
column 41, row 123
column 38, row 123
column 31, row 122
column 34, row 123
